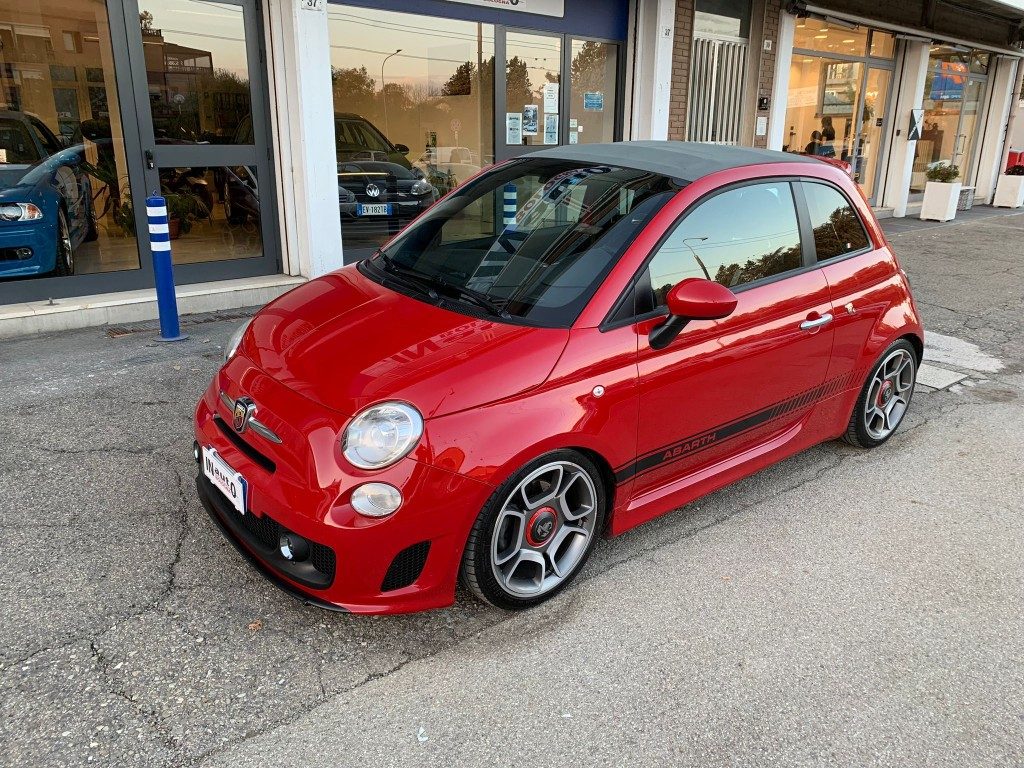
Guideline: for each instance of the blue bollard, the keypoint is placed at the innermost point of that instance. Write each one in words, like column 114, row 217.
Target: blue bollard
column 509, row 205
column 163, row 271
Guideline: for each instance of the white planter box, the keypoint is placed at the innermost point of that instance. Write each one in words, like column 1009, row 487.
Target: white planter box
column 1009, row 192
column 940, row 201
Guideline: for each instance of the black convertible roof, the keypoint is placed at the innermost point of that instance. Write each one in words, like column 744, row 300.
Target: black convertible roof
column 686, row 160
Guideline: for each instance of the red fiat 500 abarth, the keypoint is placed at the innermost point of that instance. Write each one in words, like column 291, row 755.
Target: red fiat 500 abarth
column 566, row 346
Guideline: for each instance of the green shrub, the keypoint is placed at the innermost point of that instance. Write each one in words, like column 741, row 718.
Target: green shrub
column 944, row 172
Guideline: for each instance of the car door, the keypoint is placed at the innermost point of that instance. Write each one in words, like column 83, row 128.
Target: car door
column 722, row 387
column 863, row 282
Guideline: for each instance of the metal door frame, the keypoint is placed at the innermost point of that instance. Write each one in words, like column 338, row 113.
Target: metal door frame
column 211, row 155
column 122, row 20
column 504, row 152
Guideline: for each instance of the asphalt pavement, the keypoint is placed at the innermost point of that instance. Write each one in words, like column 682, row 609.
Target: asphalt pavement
column 842, row 608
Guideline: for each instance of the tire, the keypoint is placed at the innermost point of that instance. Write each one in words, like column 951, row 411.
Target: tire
column 885, row 399
column 231, row 213
column 536, row 531
column 64, row 254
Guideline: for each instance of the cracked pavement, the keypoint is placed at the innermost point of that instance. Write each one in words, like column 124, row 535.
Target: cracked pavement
column 844, row 607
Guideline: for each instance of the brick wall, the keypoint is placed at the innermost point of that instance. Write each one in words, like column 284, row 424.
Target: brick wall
column 766, row 69
column 681, row 48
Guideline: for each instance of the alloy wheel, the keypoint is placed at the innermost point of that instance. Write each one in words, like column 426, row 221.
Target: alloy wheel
column 889, row 394
column 65, row 252
column 543, row 529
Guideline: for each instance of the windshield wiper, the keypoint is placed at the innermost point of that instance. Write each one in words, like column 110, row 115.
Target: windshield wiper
column 435, row 282
column 404, row 277
column 474, row 297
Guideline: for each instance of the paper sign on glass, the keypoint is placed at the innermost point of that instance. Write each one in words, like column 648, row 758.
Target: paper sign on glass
column 551, row 129
column 574, row 138
column 513, row 128
column 551, row 97
column 530, row 120
column 593, row 101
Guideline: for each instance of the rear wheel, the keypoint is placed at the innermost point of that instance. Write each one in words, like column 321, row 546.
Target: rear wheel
column 885, row 398
column 536, row 531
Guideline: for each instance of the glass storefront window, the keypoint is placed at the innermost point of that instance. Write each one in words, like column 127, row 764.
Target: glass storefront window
column 63, row 175
column 953, row 98
column 414, row 115
column 532, row 85
column 821, row 109
column 593, row 76
column 817, row 35
column 197, row 71
column 198, row 80
column 883, row 44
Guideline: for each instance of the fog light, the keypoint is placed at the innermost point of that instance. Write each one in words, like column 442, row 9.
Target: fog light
column 196, row 453
column 23, row 253
column 293, row 547
column 376, row 499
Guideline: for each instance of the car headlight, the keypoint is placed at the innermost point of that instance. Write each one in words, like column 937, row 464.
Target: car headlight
column 20, row 212
column 235, row 340
column 421, row 187
column 382, row 434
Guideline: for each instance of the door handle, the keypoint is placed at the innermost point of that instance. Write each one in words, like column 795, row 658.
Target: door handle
column 150, row 164
column 810, row 325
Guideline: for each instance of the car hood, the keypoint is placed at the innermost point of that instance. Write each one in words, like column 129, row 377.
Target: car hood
column 19, row 179
column 346, row 342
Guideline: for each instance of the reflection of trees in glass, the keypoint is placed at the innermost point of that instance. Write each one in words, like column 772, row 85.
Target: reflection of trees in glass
column 840, row 234
column 354, row 90
column 778, row 261
column 517, row 83
column 587, row 68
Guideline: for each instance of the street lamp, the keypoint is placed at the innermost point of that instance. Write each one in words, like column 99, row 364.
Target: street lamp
column 383, row 93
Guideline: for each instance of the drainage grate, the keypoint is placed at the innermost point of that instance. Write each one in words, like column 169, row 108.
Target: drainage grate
column 151, row 326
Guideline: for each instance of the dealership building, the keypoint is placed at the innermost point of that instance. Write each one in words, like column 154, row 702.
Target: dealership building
column 290, row 137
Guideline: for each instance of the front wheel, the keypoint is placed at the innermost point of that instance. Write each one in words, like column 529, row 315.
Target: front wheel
column 885, row 398
column 536, row 531
column 65, row 253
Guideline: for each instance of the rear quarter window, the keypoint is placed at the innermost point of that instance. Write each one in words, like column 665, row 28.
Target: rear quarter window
column 837, row 227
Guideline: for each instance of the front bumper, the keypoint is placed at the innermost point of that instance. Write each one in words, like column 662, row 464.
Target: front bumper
column 37, row 236
column 406, row 562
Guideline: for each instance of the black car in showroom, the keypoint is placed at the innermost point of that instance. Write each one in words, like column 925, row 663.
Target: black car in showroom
column 381, row 197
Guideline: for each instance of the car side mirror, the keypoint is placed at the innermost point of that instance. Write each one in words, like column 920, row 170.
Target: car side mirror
column 692, row 299
column 403, row 148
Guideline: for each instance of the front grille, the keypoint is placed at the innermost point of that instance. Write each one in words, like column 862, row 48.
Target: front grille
column 406, row 567
column 244, row 446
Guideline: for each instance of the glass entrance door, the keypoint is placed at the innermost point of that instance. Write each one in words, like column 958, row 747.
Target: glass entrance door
column 203, row 128
column 554, row 89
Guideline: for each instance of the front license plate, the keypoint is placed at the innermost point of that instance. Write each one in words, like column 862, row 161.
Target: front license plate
column 230, row 483
column 374, row 209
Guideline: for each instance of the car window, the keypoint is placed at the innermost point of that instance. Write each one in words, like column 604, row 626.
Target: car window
column 837, row 227
column 738, row 236
column 535, row 238
column 50, row 144
column 16, row 145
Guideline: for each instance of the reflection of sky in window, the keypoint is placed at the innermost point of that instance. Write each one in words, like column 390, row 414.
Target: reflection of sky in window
column 223, row 32
column 431, row 48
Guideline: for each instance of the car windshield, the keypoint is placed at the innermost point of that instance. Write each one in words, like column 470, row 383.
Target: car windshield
column 349, row 134
column 16, row 145
column 531, row 240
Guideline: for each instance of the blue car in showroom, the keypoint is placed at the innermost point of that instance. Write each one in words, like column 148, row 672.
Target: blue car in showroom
column 46, row 209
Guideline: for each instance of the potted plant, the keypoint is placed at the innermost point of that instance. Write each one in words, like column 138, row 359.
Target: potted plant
column 183, row 210
column 1010, row 188
column 941, row 193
